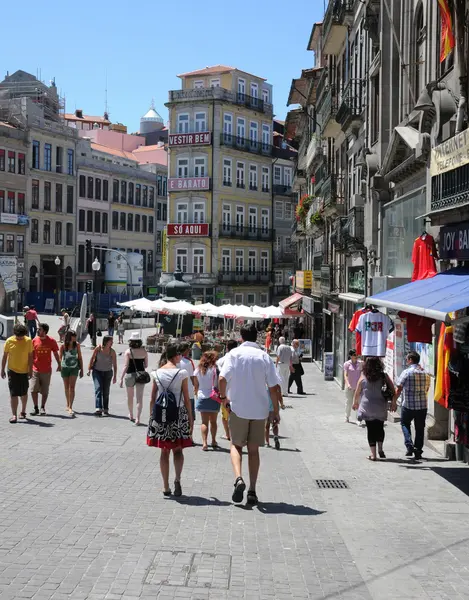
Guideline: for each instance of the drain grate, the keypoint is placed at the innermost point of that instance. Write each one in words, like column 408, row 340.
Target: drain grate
column 288, row 406
column 332, row 484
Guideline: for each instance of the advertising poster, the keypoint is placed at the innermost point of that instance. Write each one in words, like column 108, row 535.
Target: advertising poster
column 389, row 357
column 8, row 273
column 306, row 348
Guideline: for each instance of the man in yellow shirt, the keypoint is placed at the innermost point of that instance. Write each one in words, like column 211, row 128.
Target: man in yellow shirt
column 18, row 353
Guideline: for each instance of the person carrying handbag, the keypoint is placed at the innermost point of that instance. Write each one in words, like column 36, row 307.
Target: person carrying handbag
column 135, row 375
column 208, row 402
column 103, row 367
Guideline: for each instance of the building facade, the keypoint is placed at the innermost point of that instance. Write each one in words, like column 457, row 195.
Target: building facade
column 220, row 221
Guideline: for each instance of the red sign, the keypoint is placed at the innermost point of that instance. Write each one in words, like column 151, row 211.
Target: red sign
column 182, row 229
column 188, row 183
column 190, row 139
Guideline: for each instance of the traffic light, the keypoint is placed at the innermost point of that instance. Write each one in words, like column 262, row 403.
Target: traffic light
column 89, row 286
column 88, row 248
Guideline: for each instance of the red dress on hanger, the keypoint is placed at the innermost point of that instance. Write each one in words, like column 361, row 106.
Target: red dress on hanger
column 424, row 256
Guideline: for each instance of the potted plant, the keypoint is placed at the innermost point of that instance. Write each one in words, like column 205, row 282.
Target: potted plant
column 302, row 209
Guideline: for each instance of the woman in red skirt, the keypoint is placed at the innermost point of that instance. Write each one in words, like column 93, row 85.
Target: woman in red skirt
column 178, row 434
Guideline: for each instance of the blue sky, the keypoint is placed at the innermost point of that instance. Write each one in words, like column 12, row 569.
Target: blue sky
column 143, row 45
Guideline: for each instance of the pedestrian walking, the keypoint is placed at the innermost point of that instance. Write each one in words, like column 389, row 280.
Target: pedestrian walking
column 371, row 403
column 65, row 325
column 135, row 375
column 91, row 326
column 298, row 371
column 170, row 387
column 43, row 348
column 111, row 320
column 268, row 339
column 71, row 367
column 32, row 320
column 413, row 384
column 231, row 345
column 103, row 367
column 120, row 329
column 18, row 361
column 352, row 371
column 207, row 377
column 246, row 372
column 271, row 421
column 188, row 365
column 284, row 363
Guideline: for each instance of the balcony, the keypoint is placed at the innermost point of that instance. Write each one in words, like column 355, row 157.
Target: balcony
column 186, row 184
column 333, row 195
column 351, row 105
column 353, row 229
column 245, row 144
column 241, row 232
column 314, row 153
column 450, row 189
column 322, row 84
column 10, row 218
column 339, row 14
column 245, row 277
column 221, row 94
column 283, row 256
column 282, row 190
column 327, row 111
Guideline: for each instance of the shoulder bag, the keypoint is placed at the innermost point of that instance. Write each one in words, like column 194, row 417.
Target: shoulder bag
column 215, row 394
column 140, row 376
column 386, row 390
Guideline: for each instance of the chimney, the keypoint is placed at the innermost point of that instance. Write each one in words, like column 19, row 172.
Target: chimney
column 106, row 116
column 79, row 113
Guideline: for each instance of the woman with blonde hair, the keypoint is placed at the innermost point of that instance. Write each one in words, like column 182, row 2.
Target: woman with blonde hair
column 209, row 408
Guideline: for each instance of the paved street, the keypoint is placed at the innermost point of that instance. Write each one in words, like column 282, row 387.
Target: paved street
column 83, row 516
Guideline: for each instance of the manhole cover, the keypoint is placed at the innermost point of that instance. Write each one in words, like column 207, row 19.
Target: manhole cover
column 190, row 569
column 332, row 484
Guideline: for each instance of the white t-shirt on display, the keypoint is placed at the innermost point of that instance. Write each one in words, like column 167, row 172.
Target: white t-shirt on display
column 374, row 328
column 186, row 364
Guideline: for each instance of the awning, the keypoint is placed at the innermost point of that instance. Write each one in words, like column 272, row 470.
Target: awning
column 291, row 300
column 355, row 298
column 434, row 298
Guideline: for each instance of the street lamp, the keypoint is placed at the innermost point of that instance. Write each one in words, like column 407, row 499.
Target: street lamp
column 57, row 262
column 96, row 266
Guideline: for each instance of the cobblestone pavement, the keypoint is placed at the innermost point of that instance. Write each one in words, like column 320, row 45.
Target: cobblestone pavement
column 83, row 516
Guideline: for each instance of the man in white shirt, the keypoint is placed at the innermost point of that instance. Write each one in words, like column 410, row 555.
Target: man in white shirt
column 187, row 364
column 248, row 371
column 231, row 345
column 284, row 363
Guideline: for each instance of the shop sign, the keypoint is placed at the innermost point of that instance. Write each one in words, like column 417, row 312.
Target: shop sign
column 328, row 366
column 389, row 357
column 8, row 273
column 333, row 307
column 10, row 219
column 454, row 241
column 197, row 324
column 191, row 229
column 304, row 280
column 451, row 154
column 177, row 184
column 306, row 348
column 190, row 139
column 356, row 280
column 308, row 304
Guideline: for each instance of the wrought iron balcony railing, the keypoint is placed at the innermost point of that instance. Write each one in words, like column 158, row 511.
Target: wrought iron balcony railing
column 245, row 232
column 245, row 276
column 282, row 190
column 245, row 144
column 219, row 93
column 352, row 102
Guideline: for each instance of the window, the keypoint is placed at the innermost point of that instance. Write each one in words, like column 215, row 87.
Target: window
column 252, row 259
column 277, row 175
column 278, row 209
column 82, row 186
column 144, row 223
column 226, row 217
column 12, row 162
column 265, row 95
column 34, row 231
column 374, row 108
column 36, row 154
column 278, row 277
column 199, row 212
column 227, row 125
column 138, row 194
column 89, row 221
column 182, row 213
column 288, row 210
column 10, row 207
column 115, row 220
column 58, row 233
column 130, row 222
column 69, row 234
column 158, row 211
column 239, row 298
column 200, row 122
column 181, row 259
column 47, row 195
column 70, row 161
column 159, row 241
column 227, row 175
column 253, row 133
column 35, row 194
column 70, row 207
column 2, row 201
column 239, row 218
column 251, row 299
column 122, row 222
column 200, row 169
column 97, row 189
column 144, row 195
column 239, row 261
column 81, row 220
column 265, row 137
column 2, row 160
column 123, row 192
column 198, row 260
column 105, row 190
column 265, row 179
column 183, row 123
column 137, row 223
column 10, row 245
column 159, row 185
column 288, row 244
column 130, row 197
column 90, row 188
column 115, row 190
column 81, row 258
column 287, row 177
column 151, row 196
column 165, row 212
column 264, row 261
column 151, row 224
column 105, row 223
column 252, row 218
column 150, row 261
column 58, row 159
column 254, row 93
column 21, row 204
column 199, row 84
column 165, row 186
column 97, row 222
column 226, row 260
column 215, row 82
column 2, row 243
column 183, row 167
column 265, row 220
column 240, row 180
column 21, row 163
column 253, row 177
column 58, row 197
column 240, row 130
column 241, row 88
column 47, row 157
column 20, row 245
column 46, row 233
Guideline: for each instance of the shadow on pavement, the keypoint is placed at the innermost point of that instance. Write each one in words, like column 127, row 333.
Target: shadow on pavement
column 457, row 476
column 109, row 416
column 38, row 423
column 200, row 501
column 53, row 416
column 284, row 508
column 415, row 461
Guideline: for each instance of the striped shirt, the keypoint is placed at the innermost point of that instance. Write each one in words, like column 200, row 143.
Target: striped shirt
column 415, row 384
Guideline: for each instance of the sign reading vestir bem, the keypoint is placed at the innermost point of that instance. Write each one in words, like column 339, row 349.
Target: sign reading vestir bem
column 454, row 241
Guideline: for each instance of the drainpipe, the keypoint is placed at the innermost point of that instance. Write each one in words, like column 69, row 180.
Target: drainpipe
column 213, row 178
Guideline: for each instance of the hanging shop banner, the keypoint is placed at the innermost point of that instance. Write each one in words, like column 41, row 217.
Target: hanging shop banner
column 454, row 241
column 389, row 357
column 451, row 154
column 188, row 229
column 164, row 252
column 8, row 273
column 304, row 280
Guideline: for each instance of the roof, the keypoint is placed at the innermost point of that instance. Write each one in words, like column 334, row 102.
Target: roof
column 152, row 115
column 93, row 119
column 313, row 38
column 217, row 70
column 113, row 151
column 160, row 155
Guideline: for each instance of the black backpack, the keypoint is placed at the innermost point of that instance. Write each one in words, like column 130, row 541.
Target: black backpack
column 166, row 409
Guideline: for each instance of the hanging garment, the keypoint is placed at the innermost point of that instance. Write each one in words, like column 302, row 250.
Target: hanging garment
column 442, row 383
column 460, row 329
column 458, row 369
column 461, row 427
column 353, row 327
column 374, row 327
column 419, row 329
column 424, row 256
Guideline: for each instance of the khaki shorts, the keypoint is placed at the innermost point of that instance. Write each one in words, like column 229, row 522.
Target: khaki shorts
column 246, row 431
column 40, row 383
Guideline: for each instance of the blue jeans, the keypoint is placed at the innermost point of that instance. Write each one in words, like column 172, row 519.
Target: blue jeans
column 418, row 417
column 102, row 385
column 32, row 326
column 110, row 331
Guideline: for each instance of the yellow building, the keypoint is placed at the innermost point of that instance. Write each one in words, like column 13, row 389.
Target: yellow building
column 219, row 230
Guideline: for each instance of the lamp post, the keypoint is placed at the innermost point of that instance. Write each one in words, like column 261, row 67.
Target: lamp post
column 57, row 262
column 96, row 266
